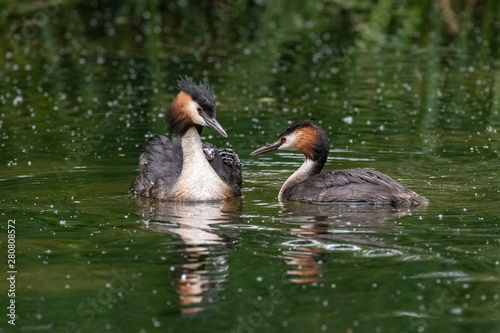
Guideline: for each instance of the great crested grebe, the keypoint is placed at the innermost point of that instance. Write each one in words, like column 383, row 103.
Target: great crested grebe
column 185, row 168
column 357, row 186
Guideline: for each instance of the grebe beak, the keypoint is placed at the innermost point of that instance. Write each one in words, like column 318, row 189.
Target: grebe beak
column 267, row 148
column 212, row 123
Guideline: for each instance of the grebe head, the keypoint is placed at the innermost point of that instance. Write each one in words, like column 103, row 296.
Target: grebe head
column 209, row 151
column 304, row 136
column 193, row 106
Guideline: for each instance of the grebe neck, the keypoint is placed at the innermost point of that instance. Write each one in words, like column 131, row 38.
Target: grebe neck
column 308, row 169
column 198, row 180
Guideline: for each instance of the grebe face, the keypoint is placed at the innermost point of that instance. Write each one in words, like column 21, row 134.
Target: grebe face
column 288, row 142
column 283, row 143
column 302, row 140
column 201, row 117
column 195, row 113
column 301, row 135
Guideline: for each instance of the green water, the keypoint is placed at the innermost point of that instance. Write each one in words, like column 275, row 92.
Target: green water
column 80, row 96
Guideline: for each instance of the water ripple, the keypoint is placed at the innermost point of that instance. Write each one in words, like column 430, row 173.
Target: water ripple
column 458, row 274
column 303, row 243
column 341, row 247
column 382, row 253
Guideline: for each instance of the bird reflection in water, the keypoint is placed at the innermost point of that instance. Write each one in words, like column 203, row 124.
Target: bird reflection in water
column 204, row 250
column 312, row 224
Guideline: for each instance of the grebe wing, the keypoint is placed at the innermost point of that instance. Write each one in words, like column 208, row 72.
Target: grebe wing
column 159, row 167
column 227, row 165
column 360, row 186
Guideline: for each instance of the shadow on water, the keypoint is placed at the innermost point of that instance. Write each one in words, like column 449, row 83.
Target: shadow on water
column 204, row 267
column 317, row 229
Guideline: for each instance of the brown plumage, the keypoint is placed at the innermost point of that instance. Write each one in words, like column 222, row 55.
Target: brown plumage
column 178, row 119
column 306, row 140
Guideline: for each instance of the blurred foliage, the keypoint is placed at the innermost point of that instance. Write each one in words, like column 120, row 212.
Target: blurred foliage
column 202, row 25
column 327, row 54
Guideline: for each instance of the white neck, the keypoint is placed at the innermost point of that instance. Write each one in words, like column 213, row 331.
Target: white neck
column 298, row 176
column 198, row 181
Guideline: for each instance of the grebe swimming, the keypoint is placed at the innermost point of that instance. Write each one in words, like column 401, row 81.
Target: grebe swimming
column 184, row 168
column 357, row 186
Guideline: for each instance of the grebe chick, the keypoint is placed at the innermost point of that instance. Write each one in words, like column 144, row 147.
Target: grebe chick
column 184, row 168
column 356, row 186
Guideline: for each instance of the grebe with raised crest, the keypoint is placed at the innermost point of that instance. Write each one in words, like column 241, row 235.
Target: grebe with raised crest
column 184, row 168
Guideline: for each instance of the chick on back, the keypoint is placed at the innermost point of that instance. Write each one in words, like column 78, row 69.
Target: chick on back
column 184, row 168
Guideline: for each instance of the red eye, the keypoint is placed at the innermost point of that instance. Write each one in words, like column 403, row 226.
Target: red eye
column 283, row 139
column 198, row 109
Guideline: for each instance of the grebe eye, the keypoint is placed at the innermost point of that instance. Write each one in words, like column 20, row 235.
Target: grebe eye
column 198, row 109
column 283, row 140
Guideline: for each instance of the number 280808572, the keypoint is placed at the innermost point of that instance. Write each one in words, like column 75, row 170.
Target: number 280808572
column 11, row 256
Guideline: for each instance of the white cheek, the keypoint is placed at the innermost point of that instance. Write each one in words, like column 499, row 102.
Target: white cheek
column 194, row 115
column 289, row 143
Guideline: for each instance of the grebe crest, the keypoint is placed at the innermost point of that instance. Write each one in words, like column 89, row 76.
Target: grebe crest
column 194, row 106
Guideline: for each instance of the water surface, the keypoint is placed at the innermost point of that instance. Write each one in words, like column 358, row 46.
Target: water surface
column 77, row 111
